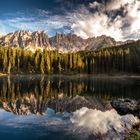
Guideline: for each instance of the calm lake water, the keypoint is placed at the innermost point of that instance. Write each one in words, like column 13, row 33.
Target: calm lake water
column 40, row 107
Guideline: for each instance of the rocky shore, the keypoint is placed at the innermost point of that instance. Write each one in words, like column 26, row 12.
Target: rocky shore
column 127, row 106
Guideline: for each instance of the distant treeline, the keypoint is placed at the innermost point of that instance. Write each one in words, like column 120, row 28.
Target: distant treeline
column 125, row 58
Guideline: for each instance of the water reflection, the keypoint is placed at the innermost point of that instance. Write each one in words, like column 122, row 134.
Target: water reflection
column 43, row 106
column 33, row 94
column 50, row 126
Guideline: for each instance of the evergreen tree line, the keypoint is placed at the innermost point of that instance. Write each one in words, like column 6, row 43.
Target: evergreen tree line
column 124, row 58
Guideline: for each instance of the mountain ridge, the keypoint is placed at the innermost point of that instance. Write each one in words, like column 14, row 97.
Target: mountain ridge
column 63, row 42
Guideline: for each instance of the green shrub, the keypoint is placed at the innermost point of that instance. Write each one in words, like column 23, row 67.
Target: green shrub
column 133, row 135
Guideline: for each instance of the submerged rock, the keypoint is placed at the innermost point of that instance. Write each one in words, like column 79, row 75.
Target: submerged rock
column 126, row 106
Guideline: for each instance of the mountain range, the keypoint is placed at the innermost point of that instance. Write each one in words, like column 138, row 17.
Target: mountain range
column 63, row 42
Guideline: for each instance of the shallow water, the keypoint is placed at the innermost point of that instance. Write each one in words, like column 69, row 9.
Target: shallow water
column 39, row 107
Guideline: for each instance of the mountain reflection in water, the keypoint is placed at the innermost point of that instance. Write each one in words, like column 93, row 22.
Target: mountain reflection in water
column 53, row 107
column 33, row 94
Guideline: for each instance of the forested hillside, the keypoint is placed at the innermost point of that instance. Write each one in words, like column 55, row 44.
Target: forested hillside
column 118, row 59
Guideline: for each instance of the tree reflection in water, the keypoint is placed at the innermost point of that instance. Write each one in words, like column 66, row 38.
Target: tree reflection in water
column 33, row 94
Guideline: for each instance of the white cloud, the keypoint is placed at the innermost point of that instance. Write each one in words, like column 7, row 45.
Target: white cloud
column 82, row 21
column 120, row 27
column 117, row 4
column 96, row 25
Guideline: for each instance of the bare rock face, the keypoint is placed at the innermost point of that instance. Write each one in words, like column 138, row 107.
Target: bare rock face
column 73, row 43
column 68, row 43
column 63, row 42
column 126, row 106
column 27, row 40
column 101, row 42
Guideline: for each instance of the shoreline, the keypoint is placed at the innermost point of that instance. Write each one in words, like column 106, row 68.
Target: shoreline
column 115, row 76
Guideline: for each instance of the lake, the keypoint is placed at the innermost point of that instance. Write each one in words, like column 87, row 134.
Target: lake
column 35, row 107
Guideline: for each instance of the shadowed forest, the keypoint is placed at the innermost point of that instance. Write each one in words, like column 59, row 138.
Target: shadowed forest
column 119, row 59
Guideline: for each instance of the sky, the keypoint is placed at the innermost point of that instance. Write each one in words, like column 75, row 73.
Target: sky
column 119, row 19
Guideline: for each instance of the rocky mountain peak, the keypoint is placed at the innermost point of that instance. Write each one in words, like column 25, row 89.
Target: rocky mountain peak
column 63, row 42
column 100, row 42
column 26, row 39
column 67, row 43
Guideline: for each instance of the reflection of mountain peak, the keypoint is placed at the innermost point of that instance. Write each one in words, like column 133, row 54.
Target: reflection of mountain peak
column 32, row 105
column 31, row 94
column 25, row 106
column 71, row 104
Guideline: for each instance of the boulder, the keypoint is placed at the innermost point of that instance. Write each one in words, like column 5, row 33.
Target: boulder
column 126, row 106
